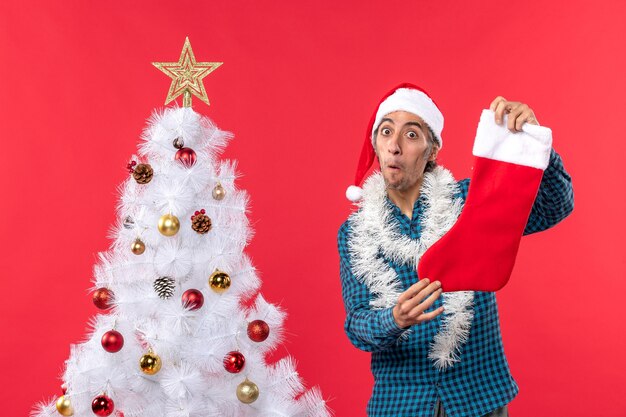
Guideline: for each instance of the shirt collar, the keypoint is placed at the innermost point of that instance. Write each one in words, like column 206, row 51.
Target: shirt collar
column 416, row 207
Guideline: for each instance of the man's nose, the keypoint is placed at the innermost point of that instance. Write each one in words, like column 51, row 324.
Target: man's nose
column 393, row 144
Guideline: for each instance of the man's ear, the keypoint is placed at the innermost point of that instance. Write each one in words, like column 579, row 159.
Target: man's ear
column 434, row 153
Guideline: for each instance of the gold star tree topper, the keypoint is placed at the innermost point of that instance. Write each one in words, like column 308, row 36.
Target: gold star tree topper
column 187, row 75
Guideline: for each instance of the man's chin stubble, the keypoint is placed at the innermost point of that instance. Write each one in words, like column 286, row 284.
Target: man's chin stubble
column 398, row 186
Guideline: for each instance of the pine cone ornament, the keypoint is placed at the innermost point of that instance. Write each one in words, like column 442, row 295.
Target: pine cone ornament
column 164, row 287
column 143, row 173
column 200, row 222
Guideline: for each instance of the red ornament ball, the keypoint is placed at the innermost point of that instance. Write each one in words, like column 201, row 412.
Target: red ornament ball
column 112, row 341
column 193, row 299
column 102, row 406
column 258, row 330
column 234, row 362
column 103, row 298
column 186, row 156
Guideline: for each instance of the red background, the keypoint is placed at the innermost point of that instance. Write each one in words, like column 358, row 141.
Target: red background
column 297, row 87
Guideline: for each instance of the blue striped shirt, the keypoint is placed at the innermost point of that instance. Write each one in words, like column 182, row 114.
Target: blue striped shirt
column 405, row 381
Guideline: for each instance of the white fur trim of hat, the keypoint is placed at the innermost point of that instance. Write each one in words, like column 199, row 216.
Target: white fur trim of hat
column 412, row 101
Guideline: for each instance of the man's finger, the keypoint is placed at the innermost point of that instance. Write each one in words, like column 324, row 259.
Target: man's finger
column 425, row 305
column 527, row 117
column 429, row 316
column 495, row 101
column 501, row 108
column 515, row 114
column 413, row 290
column 420, row 296
column 516, row 111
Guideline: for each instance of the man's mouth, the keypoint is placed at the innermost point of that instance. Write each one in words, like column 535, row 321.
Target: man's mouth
column 393, row 167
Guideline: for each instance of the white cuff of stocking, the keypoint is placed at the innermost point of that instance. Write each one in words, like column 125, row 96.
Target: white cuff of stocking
column 531, row 147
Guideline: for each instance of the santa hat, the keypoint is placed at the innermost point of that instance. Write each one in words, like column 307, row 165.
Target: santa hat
column 407, row 97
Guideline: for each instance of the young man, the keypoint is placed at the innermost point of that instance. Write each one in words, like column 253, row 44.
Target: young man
column 393, row 313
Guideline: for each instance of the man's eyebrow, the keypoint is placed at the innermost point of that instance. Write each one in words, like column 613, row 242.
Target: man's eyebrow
column 386, row 119
column 414, row 124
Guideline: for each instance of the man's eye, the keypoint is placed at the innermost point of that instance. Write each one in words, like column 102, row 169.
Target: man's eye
column 386, row 131
column 412, row 135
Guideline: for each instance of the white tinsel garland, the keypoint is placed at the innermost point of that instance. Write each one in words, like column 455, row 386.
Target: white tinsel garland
column 374, row 232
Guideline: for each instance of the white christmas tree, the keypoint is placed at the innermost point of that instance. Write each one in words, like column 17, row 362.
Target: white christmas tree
column 175, row 338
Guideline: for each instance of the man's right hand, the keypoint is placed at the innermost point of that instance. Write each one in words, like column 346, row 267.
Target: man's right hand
column 411, row 305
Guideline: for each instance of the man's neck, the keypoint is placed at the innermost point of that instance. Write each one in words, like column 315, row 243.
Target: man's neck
column 405, row 199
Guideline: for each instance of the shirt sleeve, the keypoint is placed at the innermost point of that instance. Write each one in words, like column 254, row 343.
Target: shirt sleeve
column 555, row 198
column 369, row 330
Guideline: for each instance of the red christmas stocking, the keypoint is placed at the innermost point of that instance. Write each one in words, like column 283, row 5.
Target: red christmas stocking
column 478, row 252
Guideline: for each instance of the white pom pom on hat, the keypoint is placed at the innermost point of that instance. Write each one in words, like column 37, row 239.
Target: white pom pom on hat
column 406, row 97
column 354, row 193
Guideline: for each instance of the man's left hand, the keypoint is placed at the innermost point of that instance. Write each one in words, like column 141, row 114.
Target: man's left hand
column 519, row 113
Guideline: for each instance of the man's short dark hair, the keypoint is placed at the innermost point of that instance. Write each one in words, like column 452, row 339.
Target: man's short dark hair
column 430, row 165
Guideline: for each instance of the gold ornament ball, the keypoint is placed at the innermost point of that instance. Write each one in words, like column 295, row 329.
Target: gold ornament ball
column 138, row 247
column 64, row 406
column 219, row 192
column 169, row 225
column 150, row 363
column 219, row 281
column 247, row 392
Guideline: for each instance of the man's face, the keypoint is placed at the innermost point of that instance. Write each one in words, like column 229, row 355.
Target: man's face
column 402, row 148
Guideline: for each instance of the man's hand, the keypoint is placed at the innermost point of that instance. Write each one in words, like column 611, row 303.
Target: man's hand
column 519, row 113
column 411, row 305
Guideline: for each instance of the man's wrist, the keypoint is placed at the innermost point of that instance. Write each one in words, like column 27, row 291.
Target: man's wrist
column 389, row 322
